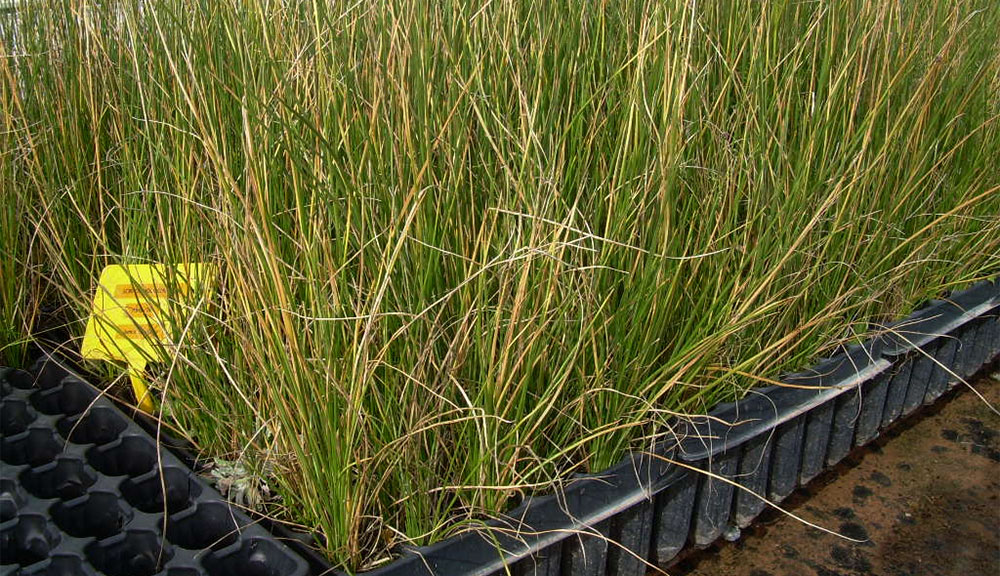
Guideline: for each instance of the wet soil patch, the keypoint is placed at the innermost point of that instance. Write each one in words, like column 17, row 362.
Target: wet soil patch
column 924, row 499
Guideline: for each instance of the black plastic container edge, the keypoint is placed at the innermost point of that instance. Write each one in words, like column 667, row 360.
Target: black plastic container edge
column 642, row 512
column 85, row 490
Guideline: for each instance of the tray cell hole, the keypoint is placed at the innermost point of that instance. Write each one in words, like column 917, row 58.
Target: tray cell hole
column 15, row 415
column 40, row 446
column 211, row 526
column 147, row 495
column 99, row 516
column 99, row 425
column 73, row 397
column 46, row 401
column 10, row 499
column 63, row 566
column 76, row 396
column 20, row 379
column 134, row 456
column 27, row 542
column 140, row 553
column 256, row 557
column 49, row 373
column 68, row 479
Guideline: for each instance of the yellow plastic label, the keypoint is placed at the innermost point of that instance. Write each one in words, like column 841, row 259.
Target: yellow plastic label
column 133, row 311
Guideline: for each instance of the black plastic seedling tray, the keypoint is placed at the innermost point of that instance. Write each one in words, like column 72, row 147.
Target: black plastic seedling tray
column 84, row 490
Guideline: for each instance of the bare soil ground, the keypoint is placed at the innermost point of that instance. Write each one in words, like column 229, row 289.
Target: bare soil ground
column 923, row 497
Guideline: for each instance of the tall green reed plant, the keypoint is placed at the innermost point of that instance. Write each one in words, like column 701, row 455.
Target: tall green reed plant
column 466, row 250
